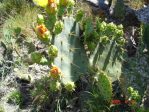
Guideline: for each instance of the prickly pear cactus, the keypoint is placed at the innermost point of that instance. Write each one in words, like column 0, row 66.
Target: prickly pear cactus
column 105, row 87
column 71, row 58
column 106, row 59
column 61, row 35
column 108, row 53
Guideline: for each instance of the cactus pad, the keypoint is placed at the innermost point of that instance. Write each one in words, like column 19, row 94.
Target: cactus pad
column 71, row 59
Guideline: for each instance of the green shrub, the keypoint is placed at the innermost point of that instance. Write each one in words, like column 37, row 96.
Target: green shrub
column 15, row 97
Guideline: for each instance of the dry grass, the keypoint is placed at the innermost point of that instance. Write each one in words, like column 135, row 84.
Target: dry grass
column 24, row 20
column 135, row 4
column 17, row 14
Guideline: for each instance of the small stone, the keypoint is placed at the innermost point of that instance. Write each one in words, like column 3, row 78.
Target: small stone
column 143, row 14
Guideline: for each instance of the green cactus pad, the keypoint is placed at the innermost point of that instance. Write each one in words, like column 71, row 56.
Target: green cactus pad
column 72, row 58
column 108, row 54
column 105, row 87
column 107, row 59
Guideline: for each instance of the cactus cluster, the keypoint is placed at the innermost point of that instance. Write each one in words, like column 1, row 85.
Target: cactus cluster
column 106, row 43
column 65, row 54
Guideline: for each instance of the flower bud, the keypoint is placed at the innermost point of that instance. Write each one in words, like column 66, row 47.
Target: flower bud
column 70, row 86
column 42, row 32
column 58, row 27
column 55, row 72
column 40, row 19
column 53, row 51
column 104, row 39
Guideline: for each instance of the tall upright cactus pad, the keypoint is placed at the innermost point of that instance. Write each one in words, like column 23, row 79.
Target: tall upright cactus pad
column 105, row 59
column 146, row 35
column 71, row 59
column 105, row 87
column 109, row 51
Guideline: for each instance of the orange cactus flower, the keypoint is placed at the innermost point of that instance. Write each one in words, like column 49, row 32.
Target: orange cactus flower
column 55, row 72
column 41, row 30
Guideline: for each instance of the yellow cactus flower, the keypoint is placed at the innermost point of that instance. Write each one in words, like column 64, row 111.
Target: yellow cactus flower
column 55, row 72
column 42, row 3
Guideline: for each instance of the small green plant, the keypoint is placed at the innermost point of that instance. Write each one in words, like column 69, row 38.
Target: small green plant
column 134, row 98
column 133, row 94
column 100, row 93
column 15, row 97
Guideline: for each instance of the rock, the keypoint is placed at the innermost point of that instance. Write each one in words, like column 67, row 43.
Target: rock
column 102, row 4
column 131, row 18
column 93, row 2
column 99, row 7
column 146, row 2
column 143, row 14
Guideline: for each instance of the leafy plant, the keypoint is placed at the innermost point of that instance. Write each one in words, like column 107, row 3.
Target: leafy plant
column 15, row 97
column 133, row 94
column 99, row 95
